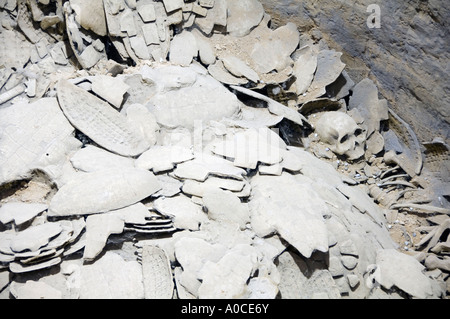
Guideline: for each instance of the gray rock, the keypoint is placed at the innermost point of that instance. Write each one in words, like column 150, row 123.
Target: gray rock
column 262, row 288
column 98, row 229
column 150, row 31
column 348, row 248
column 35, row 237
column 34, row 290
column 218, row 71
column 20, row 212
column 329, row 67
column 144, row 122
column 252, row 147
column 170, row 186
column 38, row 136
column 147, row 12
column 273, row 50
column 199, row 189
column 365, row 100
column 172, row 5
column 304, row 69
column 184, row 213
column 353, row 280
column 226, row 206
column 275, row 208
column 99, row 121
column 110, row 89
column 19, row 50
column 111, row 277
column 139, row 46
column 205, row 50
column 194, row 96
column 215, row 16
column 103, row 191
column 205, row 165
column 90, row 15
column 335, row 267
column 349, row 262
column 227, row 278
column 183, row 48
column 163, row 158
column 127, row 24
column 91, row 159
column 298, row 282
column 90, row 56
column 157, row 274
column 19, row 268
column 243, row 16
column 238, row 68
column 403, row 271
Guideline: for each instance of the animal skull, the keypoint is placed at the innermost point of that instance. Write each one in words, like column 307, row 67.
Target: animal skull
column 341, row 134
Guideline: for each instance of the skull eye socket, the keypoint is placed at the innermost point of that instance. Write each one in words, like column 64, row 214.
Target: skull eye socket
column 344, row 139
column 358, row 132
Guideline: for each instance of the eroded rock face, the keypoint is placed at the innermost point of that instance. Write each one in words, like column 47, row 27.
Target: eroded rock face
column 408, row 60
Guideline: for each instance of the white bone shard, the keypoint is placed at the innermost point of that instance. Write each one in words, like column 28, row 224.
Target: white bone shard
column 281, row 204
column 103, row 191
column 32, row 136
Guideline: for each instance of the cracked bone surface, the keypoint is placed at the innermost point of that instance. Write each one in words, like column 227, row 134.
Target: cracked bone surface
column 200, row 149
column 341, row 133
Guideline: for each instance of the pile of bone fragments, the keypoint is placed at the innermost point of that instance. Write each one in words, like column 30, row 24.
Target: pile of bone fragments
column 187, row 149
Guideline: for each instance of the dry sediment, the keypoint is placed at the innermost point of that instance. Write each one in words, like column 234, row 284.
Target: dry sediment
column 210, row 156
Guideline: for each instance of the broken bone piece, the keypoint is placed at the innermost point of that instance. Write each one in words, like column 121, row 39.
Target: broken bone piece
column 205, row 165
column 329, row 67
column 184, row 213
column 34, row 290
column 110, row 89
column 98, row 229
column 239, row 68
column 275, row 107
column 243, row 16
column 274, row 51
column 39, row 136
column 275, row 208
column 394, row 268
column 20, row 212
column 183, row 48
column 163, row 158
column 35, row 237
column 172, row 5
column 111, row 277
column 91, row 159
column 365, row 100
column 102, row 191
column 304, row 69
column 8, row 95
column 226, row 206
